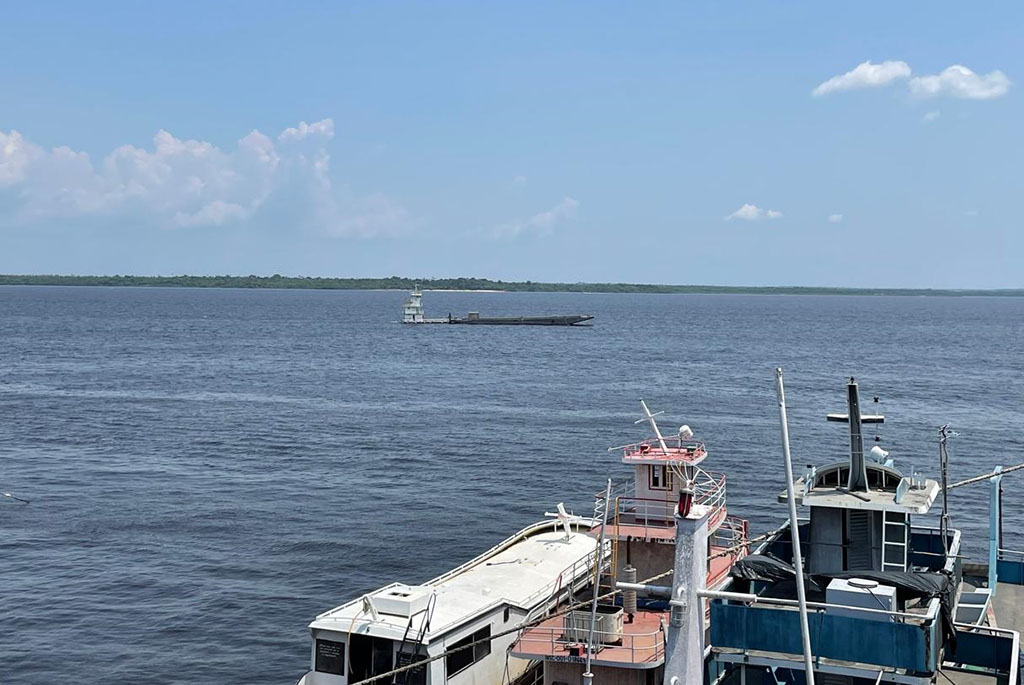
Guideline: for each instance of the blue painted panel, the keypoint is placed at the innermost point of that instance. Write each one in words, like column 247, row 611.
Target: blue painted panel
column 924, row 545
column 985, row 651
column 835, row 637
column 1011, row 572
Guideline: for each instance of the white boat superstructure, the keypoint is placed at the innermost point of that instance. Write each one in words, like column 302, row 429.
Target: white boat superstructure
column 525, row 576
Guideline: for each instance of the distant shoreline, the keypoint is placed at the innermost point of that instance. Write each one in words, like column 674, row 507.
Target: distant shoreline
column 475, row 285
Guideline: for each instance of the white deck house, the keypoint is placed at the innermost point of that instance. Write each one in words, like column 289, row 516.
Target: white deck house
column 524, row 576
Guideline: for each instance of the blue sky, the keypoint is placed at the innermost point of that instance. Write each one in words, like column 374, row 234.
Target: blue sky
column 640, row 142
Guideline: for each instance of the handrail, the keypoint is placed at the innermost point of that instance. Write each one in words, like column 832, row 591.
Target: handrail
column 572, row 572
column 748, row 599
column 1014, row 669
column 528, row 531
column 696, row 447
column 554, row 638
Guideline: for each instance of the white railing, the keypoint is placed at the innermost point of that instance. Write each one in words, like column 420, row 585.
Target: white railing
column 791, row 604
column 1011, row 555
column 642, row 647
column 649, row 512
column 582, row 568
column 651, row 448
column 1014, row 669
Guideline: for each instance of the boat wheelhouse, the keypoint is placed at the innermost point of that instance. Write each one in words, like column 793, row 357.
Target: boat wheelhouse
column 642, row 508
column 471, row 606
column 412, row 310
column 627, row 645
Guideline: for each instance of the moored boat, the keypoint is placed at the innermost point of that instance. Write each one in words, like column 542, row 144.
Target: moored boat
column 532, row 571
column 627, row 645
column 482, row 623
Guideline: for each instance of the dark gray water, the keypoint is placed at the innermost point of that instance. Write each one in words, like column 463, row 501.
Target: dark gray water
column 209, row 469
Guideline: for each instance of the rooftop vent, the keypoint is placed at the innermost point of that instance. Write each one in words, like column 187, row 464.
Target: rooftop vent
column 402, row 600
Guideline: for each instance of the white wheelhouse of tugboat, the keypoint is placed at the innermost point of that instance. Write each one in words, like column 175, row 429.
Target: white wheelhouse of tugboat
column 520, row 578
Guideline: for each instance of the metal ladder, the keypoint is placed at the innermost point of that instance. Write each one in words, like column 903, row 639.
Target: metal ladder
column 608, row 514
column 894, row 547
column 403, row 657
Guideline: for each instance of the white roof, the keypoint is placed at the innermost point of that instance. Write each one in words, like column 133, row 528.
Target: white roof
column 522, row 575
column 914, row 501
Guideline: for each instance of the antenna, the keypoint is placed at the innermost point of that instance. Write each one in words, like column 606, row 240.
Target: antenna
column 649, row 417
column 944, row 435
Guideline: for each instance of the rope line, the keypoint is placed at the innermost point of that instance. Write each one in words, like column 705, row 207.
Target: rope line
column 978, row 479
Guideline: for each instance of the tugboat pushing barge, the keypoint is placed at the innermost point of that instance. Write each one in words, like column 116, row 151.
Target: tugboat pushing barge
column 412, row 312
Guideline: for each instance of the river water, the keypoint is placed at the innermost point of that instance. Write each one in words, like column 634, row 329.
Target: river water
column 209, row 469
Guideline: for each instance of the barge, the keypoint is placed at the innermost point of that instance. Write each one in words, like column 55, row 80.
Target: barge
column 412, row 312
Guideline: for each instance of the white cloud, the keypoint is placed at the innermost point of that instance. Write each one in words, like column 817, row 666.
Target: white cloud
column 541, row 223
column 323, row 128
column 929, row 117
column 750, row 212
column 835, row 218
column 960, row 82
column 971, row 212
column 15, row 155
column 864, row 75
column 181, row 183
column 519, row 180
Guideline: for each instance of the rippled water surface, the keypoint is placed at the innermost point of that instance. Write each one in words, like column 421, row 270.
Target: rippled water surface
column 209, row 469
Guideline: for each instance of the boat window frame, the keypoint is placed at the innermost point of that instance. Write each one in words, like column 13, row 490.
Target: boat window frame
column 665, row 479
column 478, row 653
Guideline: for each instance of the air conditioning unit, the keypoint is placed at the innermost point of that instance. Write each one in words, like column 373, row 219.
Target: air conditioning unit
column 607, row 625
column 860, row 593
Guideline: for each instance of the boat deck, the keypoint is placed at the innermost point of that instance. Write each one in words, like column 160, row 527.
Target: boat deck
column 1006, row 612
column 524, row 574
column 642, row 644
column 1008, row 607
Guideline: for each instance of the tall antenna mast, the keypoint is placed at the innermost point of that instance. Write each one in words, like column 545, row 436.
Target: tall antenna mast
column 649, row 417
column 858, row 480
column 944, row 475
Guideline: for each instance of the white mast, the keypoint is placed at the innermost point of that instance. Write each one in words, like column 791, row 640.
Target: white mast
column 648, row 416
column 794, row 531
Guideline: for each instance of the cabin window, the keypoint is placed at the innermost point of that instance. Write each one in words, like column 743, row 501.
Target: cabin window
column 369, row 656
column 330, row 657
column 661, row 478
column 507, row 613
column 459, row 661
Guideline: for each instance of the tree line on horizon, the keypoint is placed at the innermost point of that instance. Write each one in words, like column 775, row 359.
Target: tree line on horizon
column 402, row 283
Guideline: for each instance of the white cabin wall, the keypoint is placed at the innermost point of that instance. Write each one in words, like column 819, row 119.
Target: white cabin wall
column 642, row 478
column 491, row 669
